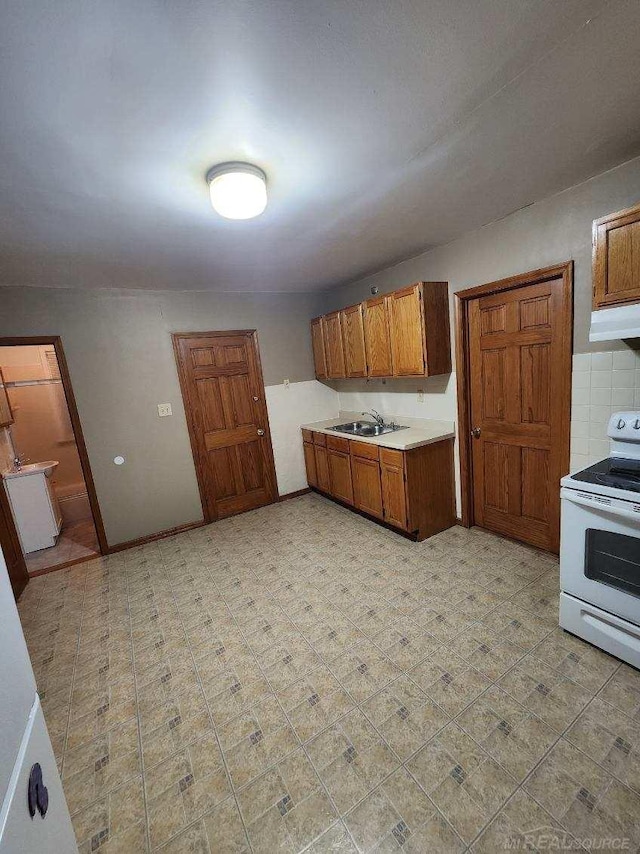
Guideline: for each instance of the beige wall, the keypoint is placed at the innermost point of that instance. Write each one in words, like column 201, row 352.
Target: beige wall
column 549, row 232
column 120, row 356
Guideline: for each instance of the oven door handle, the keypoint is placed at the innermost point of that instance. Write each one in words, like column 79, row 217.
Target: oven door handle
column 612, row 510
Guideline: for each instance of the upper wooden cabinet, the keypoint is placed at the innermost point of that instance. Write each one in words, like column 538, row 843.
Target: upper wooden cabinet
column 402, row 334
column 353, row 338
column 333, row 345
column 376, row 336
column 317, row 342
column 406, row 322
column 616, row 258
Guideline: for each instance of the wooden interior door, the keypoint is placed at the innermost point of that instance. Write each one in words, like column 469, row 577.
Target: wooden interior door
column 11, row 549
column 317, row 343
column 377, row 337
column 519, row 370
column 223, row 394
column 407, row 332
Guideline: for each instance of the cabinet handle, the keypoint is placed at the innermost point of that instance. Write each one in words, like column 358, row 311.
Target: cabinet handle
column 260, row 432
column 475, row 432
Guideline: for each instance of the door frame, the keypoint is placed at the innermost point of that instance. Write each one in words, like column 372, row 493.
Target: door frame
column 56, row 341
column 463, row 374
column 252, row 335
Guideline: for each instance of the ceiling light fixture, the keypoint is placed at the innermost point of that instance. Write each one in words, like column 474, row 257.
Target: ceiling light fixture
column 238, row 190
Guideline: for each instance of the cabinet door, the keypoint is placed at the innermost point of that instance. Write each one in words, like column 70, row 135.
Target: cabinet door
column 317, row 342
column 367, row 489
column 393, row 495
column 353, row 338
column 377, row 339
column 322, row 468
column 340, row 476
column 407, row 332
column 333, row 347
column 616, row 259
column 310, row 463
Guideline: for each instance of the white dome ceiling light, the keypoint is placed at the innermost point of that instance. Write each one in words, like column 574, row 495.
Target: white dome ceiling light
column 238, row 190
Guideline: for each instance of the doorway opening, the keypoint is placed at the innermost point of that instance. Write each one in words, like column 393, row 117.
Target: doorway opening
column 45, row 470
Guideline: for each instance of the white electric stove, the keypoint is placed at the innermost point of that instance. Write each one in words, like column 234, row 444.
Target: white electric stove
column 600, row 546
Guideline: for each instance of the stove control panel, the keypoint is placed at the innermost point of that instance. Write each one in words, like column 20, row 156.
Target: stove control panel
column 624, row 427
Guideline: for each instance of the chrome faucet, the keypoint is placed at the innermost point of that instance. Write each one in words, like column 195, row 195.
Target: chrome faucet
column 376, row 417
column 19, row 460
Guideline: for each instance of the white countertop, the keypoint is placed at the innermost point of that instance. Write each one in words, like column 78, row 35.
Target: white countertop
column 420, row 431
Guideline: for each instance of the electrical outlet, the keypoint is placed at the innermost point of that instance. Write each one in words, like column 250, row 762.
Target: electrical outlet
column 285, row 383
column 164, row 409
column 420, row 395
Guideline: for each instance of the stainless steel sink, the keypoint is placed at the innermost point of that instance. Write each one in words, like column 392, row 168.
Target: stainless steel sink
column 366, row 428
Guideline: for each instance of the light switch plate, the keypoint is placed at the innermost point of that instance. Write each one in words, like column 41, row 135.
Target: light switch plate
column 164, row 409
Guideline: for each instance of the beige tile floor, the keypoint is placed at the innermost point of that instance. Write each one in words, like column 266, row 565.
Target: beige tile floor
column 77, row 540
column 299, row 678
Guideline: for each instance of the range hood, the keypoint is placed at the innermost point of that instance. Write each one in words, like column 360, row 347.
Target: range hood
column 613, row 324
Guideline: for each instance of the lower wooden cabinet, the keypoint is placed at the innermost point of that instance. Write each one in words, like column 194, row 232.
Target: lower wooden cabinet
column 322, row 468
column 310, row 463
column 410, row 490
column 367, row 486
column 339, row 460
column 394, row 497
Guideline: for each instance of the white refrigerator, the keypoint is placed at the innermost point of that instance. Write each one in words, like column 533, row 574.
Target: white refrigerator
column 29, row 779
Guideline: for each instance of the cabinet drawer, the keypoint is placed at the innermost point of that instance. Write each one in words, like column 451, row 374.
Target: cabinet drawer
column 307, row 435
column 335, row 443
column 362, row 449
column 390, row 457
column 319, row 439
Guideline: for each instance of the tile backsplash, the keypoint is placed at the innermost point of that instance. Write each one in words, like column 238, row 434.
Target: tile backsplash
column 602, row 383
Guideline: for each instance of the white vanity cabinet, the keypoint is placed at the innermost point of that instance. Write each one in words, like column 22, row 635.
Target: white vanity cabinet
column 34, row 505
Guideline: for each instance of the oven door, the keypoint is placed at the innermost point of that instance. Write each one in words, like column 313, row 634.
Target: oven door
column 600, row 552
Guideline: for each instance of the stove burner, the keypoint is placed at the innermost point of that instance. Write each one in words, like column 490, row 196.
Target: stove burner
column 614, row 472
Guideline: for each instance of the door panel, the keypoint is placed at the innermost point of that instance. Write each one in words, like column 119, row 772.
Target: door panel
column 367, row 487
column 353, row 335
column 519, row 359
column 377, row 338
column 333, row 346
column 393, row 495
column 340, row 476
column 317, row 343
column 322, row 468
column 407, row 332
column 223, row 393
column 310, row 463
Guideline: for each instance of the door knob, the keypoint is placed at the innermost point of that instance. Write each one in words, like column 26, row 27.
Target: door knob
column 260, row 432
column 475, row 432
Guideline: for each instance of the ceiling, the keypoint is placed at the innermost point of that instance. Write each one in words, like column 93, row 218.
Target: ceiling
column 385, row 127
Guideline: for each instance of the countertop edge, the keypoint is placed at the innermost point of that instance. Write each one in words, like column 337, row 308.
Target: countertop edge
column 390, row 440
